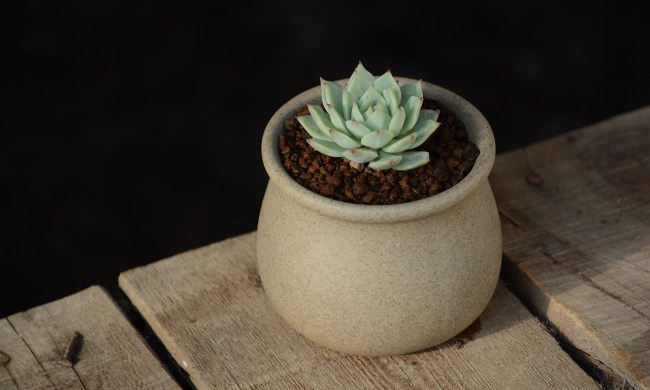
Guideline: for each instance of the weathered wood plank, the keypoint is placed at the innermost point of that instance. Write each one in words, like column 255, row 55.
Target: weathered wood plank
column 210, row 310
column 577, row 238
column 112, row 355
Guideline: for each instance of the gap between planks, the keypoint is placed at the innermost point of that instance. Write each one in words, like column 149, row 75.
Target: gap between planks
column 209, row 309
column 577, row 244
column 112, row 354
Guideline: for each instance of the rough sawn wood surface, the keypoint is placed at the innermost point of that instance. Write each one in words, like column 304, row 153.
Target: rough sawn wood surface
column 113, row 356
column 576, row 236
column 209, row 309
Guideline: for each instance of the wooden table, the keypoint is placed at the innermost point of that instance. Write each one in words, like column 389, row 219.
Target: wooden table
column 576, row 227
column 112, row 353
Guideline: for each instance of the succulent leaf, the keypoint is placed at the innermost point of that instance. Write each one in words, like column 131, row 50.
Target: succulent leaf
column 371, row 120
column 391, row 99
column 385, row 81
column 368, row 112
column 428, row 114
column 400, row 145
column 356, row 113
column 360, row 81
column 336, row 118
column 312, row 128
column 321, row 118
column 377, row 139
column 398, row 91
column 412, row 110
column 361, row 155
column 343, row 140
column 358, row 129
column 410, row 90
column 423, row 131
column 378, row 120
column 381, row 106
column 385, row 161
column 412, row 160
column 369, row 99
column 347, row 100
column 329, row 148
column 332, row 94
column 397, row 122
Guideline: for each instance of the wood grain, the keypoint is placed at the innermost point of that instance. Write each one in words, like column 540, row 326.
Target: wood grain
column 209, row 309
column 112, row 355
column 576, row 228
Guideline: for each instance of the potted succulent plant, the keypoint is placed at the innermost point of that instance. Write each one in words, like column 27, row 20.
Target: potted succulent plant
column 376, row 278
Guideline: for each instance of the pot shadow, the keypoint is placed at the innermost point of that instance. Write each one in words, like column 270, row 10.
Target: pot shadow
column 468, row 334
column 504, row 311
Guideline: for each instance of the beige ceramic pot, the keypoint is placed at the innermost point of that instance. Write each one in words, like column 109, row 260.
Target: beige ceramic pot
column 380, row 280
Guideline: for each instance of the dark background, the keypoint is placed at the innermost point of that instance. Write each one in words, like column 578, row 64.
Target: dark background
column 131, row 131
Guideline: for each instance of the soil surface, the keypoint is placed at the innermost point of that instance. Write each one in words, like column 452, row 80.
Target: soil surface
column 452, row 157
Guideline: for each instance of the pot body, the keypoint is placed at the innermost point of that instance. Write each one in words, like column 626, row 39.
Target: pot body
column 379, row 280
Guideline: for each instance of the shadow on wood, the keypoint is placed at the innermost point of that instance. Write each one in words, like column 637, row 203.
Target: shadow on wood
column 577, row 240
column 210, row 310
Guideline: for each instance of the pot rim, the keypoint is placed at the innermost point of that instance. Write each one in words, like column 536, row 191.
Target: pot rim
column 476, row 126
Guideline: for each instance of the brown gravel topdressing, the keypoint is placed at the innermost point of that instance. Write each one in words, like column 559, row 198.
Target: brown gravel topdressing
column 452, row 156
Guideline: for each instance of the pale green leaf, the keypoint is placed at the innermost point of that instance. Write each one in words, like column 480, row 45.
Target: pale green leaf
column 343, row 140
column 361, row 155
column 428, row 114
column 377, row 139
column 381, row 106
column 398, row 92
column 378, row 120
column 386, row 81
column 412, row 160
column 331, row 94
column 358, row 129
column 400, row 145
column 367, row 113
column 412, row 110
column 423, row 131
column 397, row 122
column 347, row 100
column 329, row 148
column 356, row 113
column 410, row 90
column 337, row 119
column 369, row 99
column 385, row 161
column 321, row 118
column 360, row 81
column 312, row 128
column 391, row 99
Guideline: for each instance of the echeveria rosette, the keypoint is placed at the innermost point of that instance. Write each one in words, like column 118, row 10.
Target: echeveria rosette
column 371, row 120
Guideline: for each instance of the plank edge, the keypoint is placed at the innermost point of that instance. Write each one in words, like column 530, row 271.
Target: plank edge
column 137, row 301
column 538, row 303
